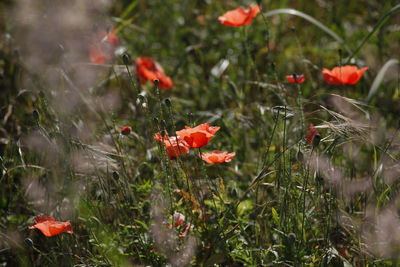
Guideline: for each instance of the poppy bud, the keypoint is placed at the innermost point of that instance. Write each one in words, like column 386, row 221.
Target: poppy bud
column 29, row 242
column 126, row 130
column 115, row 175
column 126, row 58
column 316, row 140
column 291, row 238
column 35, row 115
column 155, row 120
column 156, row 82
column 168, row 102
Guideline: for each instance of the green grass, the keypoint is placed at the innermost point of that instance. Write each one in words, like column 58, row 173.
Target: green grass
column 280, row 202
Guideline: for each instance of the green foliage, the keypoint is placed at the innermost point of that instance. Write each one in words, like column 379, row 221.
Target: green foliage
column 280, row 201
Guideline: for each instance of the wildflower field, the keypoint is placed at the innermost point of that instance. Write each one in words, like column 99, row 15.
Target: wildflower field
column 199, row 133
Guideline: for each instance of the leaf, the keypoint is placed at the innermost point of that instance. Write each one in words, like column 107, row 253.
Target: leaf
column 275, row 215
column 245, row 206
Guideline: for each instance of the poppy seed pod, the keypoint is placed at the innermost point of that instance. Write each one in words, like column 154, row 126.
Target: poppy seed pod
column 291, row 238
column 168, row 102
column 155, row 120
column 35, row 115
column 316, row 140
column 126, row 59
column 156, row 82
column 29, row 242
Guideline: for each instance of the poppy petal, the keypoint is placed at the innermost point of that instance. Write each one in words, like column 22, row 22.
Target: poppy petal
column 343, row 75
column 239, row 16
column 50, row 227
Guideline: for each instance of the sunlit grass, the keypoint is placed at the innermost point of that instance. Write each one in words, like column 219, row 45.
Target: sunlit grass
column 91, row 132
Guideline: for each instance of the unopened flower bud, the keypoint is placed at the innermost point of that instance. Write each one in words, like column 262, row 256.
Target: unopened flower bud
column 126, row 58
column 291, row 238
column 29, row 242
column 155, row 120
column 126, row 130
column 316, row 140
column 35, row 115
column 168, row 102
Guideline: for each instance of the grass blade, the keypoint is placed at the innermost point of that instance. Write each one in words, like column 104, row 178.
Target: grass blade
column 310, row 19
column 381, row 21
column 378, row 79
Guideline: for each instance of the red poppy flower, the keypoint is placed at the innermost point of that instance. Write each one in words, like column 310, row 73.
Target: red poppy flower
column 311, row 133
column 217, row 156
column 174, row 145
column 239, row 16
column 148, row 69
column 299, row 78
column 50, row 227
column 103, row 46
column 185, row 231
column 343, row 75
column 179, row 219
column 126, row 130
column 198, row 136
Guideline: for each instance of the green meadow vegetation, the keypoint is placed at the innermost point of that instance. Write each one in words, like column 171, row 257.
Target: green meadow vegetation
column 311, row 174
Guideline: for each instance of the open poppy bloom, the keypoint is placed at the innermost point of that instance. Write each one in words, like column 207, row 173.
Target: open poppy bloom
column 299, row 78
column 175, row 146
column 217, row 156
column 198, row 136
column 103, row 46
column 311, row 134
column 179, row 219
column 50, row 227
column 343, row 75
column 148, row 69
column 239, row 16
column 185, row 230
